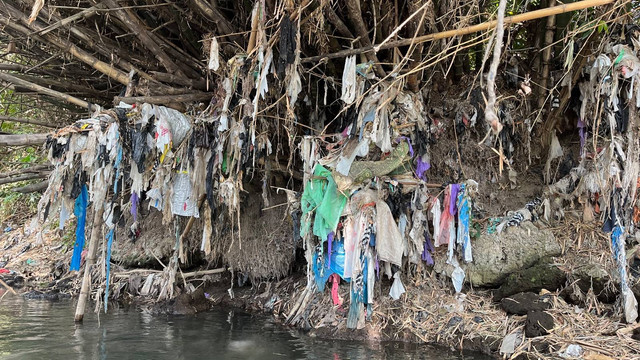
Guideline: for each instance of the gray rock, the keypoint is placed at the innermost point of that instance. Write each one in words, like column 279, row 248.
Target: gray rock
column 586, row 274
column 496, row 256
column 543, row 275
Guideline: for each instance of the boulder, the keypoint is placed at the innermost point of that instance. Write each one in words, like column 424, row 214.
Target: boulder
column 522, row 303
column 538, row 323
column 588, row 273
column 495, row 256
column 543, row 275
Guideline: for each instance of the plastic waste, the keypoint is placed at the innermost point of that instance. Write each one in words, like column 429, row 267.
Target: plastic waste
column 64, row 216
column 80, row 211
column 389, row 238
column 457, row 277
column 214, row 57
column 397, row 289
column 183, row 202
column 179, row 124
column 322, row 197
column 464, row 218
column 572, row 351
column 349, row 85
column 511, row 342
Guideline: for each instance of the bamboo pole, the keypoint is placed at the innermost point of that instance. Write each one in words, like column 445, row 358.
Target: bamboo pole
column 62, row 44
column 8, row 287
column 164, row 99
column 91, row 259
column 88, row 12
column 546, row 57
column 28, row 176
column 147, row 38
column 46, row 91
column 27, row 121
column 531, row 15
column 32, row 187
column 22, row 139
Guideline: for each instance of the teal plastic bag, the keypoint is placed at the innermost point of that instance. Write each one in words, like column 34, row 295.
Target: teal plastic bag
column 322, row 196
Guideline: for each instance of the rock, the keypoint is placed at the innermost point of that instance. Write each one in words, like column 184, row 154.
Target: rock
column 522, row 303
column 586, row 274
column 52, row 295
column 538, row 323
column 543, row 275
column 496, row 256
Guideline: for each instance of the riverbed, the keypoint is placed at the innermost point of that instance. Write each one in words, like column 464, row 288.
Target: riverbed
column 36, row 329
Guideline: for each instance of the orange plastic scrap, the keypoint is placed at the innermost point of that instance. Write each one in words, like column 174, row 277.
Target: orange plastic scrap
column 636, row 215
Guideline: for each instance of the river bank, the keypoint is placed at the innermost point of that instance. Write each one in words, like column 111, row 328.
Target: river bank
column 542, row 324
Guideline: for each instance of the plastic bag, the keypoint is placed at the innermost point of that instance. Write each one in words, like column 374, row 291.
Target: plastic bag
column 183, row 202
column 457, row 277
column 349, row 80
column 179, row 124
column 397, row 289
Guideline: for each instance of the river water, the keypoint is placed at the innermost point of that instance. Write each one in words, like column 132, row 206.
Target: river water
column 34, row 329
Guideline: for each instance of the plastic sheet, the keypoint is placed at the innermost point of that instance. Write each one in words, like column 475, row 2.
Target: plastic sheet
column 349, row 85
column 397, row 289
column 322, row 197
column 464, row 218
column 457, row 276
column 183, row 202
column 110, row 237
column 389, row 238
column 80, row 211
column 180, row 125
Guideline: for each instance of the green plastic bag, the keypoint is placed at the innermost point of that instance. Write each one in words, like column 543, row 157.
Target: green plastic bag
column 322, row 196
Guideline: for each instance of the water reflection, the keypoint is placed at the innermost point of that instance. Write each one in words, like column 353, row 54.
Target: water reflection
column 44, row 330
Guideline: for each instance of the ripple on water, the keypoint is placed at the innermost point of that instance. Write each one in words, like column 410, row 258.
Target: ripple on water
column 36, row 329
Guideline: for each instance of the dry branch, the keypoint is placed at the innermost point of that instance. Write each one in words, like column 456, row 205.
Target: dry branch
column 146, row 38
column 8, row 14
column 546, row 57
column 23, row 177
column 531, row 15
column 46, row 91
column 33, row 169
column 32, row 187
column 22, row 139
column 164, row 99
column 27, row 121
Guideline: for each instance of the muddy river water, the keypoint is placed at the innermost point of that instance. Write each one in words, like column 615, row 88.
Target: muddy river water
column 35, row 329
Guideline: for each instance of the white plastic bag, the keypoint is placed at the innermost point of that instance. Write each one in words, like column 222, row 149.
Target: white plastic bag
column 397, row 289
column 183, row 202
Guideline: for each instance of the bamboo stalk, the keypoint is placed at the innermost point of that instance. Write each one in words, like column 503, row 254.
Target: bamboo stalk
column 147, row 38
column 22, row 139
column 8, row 287
column 163, row 99
column 91, row 259
column 62, row 44
column 33, row 169
column 32, row 187
column 77, row 16
column 27, row 121
column 531, row 15
column 30, row 176
column 46, row 91
column 546, row 57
